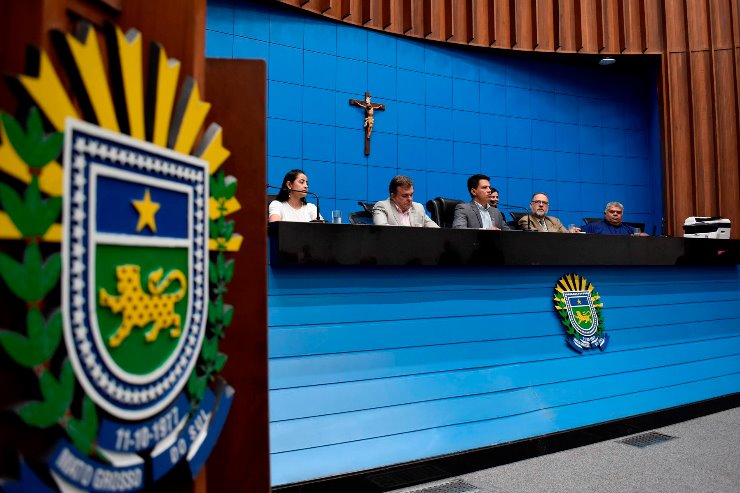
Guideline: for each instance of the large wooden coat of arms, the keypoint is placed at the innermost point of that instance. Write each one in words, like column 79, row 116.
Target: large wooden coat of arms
column 110, row 203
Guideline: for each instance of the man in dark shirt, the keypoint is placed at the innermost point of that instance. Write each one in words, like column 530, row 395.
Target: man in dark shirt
column 612, row 223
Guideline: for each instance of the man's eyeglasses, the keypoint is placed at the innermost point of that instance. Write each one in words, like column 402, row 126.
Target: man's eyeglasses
column 541, row 202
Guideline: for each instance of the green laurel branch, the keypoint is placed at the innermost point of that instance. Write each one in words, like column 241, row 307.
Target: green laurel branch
column 563, row 312
column 31, row 280
column 57, row 398
column 83, row 431
column 31, row 214
column 40, row 343
column 33, row 146
column 220, row 274
column 599, row 314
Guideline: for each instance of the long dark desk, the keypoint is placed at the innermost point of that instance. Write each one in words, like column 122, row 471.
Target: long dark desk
column 346, row 244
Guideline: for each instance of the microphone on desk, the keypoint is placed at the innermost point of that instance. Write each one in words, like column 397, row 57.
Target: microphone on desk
column 318, row 210
column 526, row 210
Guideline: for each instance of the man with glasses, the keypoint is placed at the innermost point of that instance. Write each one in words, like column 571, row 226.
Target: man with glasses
column 538, row 220
column 478, row 213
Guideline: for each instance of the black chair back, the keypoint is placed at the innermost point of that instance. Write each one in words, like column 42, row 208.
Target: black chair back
column 442, row 211
column 589, row 220
column 361, row 217
column 516, row 216
column 366, row 206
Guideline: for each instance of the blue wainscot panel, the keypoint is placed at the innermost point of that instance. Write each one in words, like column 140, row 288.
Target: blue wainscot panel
column 377, row 366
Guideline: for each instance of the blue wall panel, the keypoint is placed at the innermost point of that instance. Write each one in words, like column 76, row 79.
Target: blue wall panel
column 319, row 70
column 246, row 46
column 438, row 90
column 319, row 36
column 408, row 389
column 388, row 365
column 364, row 454
column 457, row 95
column 331, row 429
column 219, row 45
column 286, row 65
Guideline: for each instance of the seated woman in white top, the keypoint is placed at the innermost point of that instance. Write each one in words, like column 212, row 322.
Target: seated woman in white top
column 290, row 204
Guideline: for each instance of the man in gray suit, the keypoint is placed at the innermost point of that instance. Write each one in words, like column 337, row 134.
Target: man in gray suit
column 478, row 213
column 400, row 209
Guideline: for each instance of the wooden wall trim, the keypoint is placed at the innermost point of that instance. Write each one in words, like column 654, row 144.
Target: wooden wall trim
column 544, row 28
column 703, row 117
column 241, row 459
column 525, row 18
column 720, row 17
column 698, row 40
column 653, row 27
column 612, row 27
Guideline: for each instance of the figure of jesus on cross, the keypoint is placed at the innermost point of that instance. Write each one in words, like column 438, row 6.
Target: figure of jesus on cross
column 370, row 108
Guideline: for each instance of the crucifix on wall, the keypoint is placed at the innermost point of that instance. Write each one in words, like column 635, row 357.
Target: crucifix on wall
column 370, row 108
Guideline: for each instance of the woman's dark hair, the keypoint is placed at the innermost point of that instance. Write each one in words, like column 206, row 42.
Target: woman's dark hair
column 290, row 176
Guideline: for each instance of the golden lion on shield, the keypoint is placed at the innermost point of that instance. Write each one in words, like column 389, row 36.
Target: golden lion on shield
column 140, row 308
column 582, row 317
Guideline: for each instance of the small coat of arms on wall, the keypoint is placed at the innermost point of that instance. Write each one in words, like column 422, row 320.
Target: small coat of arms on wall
column 113, row 212
column 579, row 307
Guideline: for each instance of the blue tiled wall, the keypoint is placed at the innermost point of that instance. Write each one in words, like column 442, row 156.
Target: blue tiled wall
column 584, row 135
column 361, row 378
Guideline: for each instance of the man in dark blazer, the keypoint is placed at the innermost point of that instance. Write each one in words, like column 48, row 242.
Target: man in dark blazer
column 478, row 213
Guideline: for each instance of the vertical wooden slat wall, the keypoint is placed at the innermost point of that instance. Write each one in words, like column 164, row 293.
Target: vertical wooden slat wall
column 546, row 31
column 699, row 88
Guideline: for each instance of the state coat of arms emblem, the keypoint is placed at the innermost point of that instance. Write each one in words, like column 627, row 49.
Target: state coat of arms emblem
column 579, row 307
column 134, row 194
column 135, row 256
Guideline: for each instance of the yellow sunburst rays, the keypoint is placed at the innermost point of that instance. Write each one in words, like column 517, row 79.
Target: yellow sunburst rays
column 125, row 109
column 574, row 282
column 48, row 88
column 571, row 282
column 128, row 65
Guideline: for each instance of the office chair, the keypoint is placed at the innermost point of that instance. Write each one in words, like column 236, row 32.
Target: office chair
column 442, row 211
column 361, row 217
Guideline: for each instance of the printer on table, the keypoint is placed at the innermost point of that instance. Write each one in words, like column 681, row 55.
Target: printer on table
column 706, row 227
